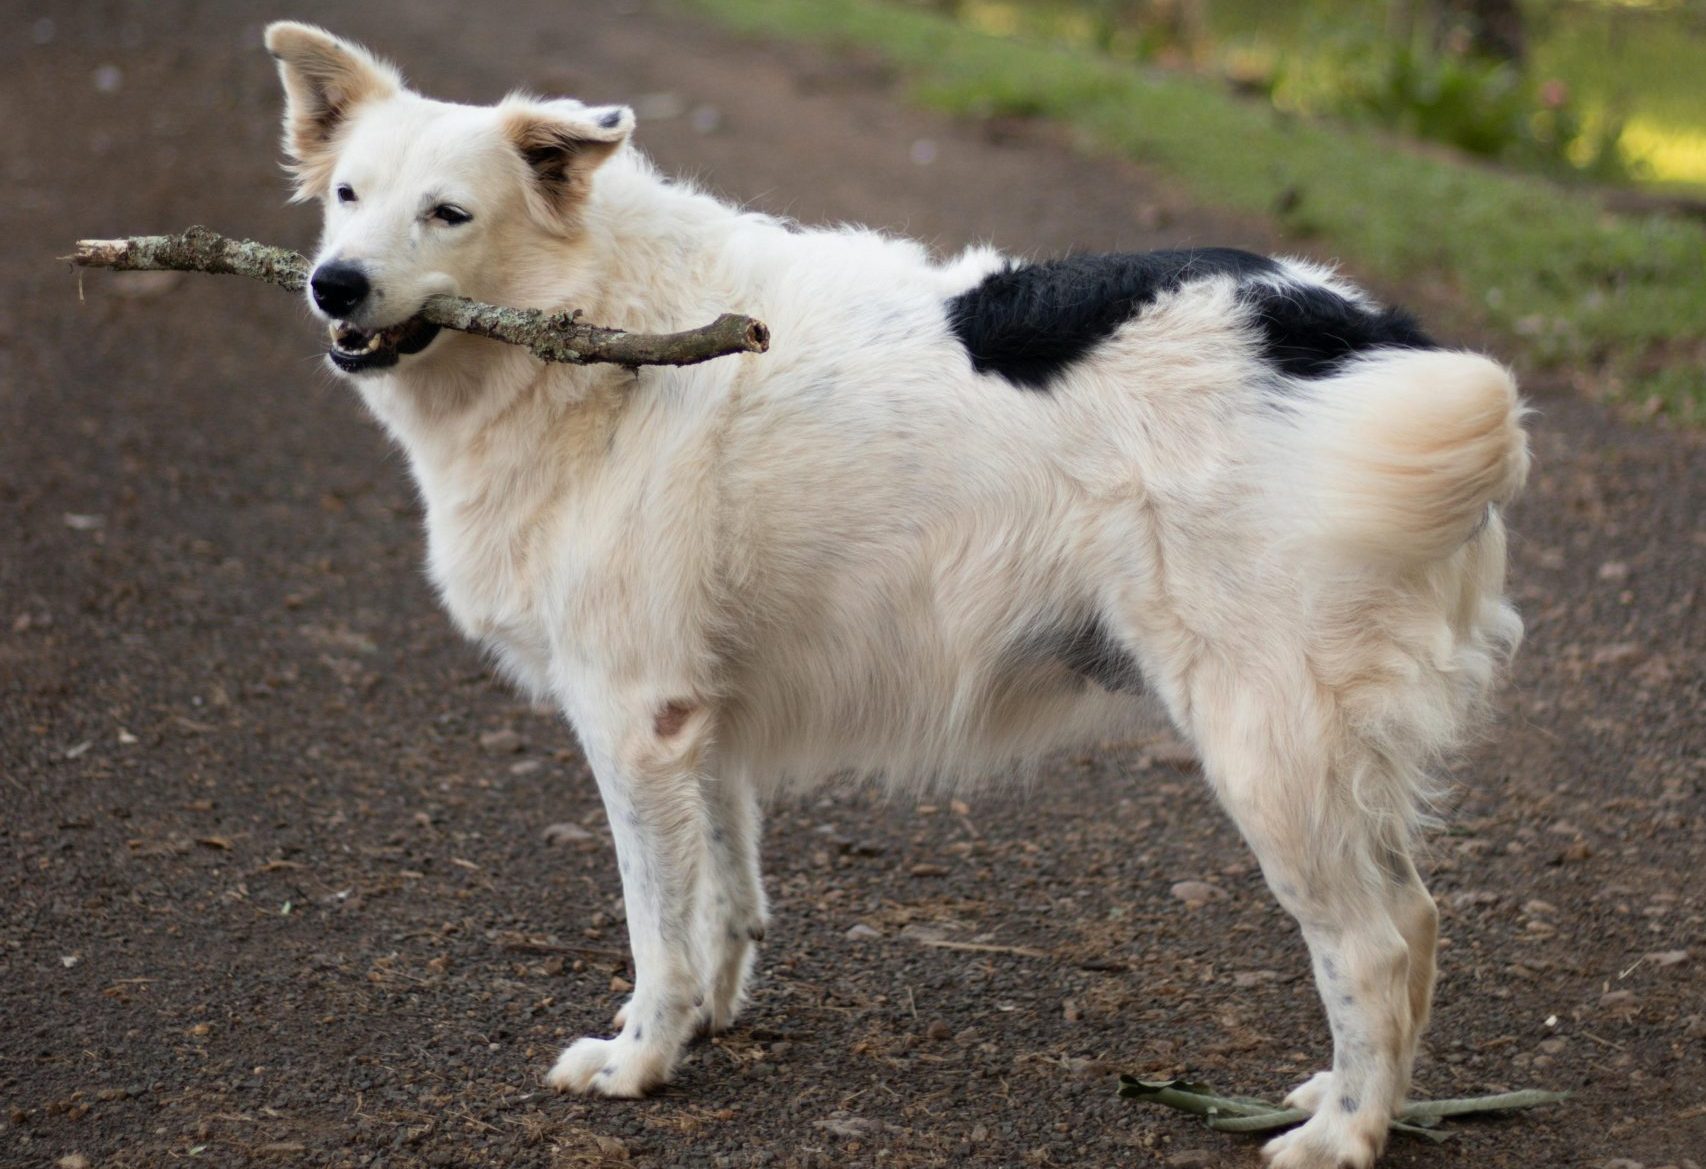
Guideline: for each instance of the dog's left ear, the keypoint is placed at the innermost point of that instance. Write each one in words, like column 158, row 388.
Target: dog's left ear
column 563, row 143
column 325, row 79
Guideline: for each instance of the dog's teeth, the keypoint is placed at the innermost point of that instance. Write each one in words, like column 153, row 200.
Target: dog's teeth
column 354, row 342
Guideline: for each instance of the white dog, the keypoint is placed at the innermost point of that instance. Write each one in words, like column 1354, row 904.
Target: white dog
column 958, row 516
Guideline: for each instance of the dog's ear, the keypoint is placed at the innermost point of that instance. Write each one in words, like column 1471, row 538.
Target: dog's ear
column 562, row 143
column 325, row 79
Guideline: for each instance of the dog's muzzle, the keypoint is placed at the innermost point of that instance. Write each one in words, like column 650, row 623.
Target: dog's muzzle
column 356, row 350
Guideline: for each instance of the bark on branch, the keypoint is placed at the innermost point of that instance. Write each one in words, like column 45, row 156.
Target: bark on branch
column 550, row 336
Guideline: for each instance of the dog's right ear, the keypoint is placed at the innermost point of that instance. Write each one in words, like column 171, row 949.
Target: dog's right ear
column 562, row 143
column 325, row 79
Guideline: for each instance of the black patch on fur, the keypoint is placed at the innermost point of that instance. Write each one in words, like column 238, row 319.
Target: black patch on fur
column 1028, row 322
column 1310, row 332
column 1089, row 650
column 1082, row 645
column 608, row 121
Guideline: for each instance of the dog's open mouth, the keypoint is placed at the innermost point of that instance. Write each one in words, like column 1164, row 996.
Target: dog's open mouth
column 355, row 350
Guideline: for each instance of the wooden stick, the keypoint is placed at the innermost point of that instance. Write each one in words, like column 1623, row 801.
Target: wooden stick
column 555, row 336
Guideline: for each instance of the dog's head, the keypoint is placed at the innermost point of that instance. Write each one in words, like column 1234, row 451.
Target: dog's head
column 422, row 197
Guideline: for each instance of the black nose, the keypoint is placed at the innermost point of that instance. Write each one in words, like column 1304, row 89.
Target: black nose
column 338, row 287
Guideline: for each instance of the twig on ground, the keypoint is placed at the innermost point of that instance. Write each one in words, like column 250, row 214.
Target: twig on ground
column 540, row 946
column 1612, row 1044
column 550, row 336
column 1247, row 1114
column 983, row 948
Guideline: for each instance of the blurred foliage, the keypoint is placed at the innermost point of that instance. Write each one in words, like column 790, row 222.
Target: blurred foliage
column 1485, row 107
column 1609, row 90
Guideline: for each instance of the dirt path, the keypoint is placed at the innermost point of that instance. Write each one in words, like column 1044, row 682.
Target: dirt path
column 268, row 898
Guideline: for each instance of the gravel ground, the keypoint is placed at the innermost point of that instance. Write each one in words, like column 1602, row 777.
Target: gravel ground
column 277, row 891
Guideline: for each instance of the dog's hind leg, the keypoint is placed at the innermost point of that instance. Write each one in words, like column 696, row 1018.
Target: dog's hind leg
column 1311, row 803
column 649, row 774
column 732, row 912
column 1417, row 919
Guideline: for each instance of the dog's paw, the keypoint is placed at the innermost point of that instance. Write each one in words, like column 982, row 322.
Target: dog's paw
column 721, row 1007
column 611, row 1067
column 1328, row 1140
column 714, row 1019
column 1310, row 1094
column 733, row 974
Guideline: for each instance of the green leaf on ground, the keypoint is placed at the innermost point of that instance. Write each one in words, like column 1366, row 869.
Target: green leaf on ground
column 1249, row 1114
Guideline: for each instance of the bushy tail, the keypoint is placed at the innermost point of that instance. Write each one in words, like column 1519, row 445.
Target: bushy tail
column 1394, row 461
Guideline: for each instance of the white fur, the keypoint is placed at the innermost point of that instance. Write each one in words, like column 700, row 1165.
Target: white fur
column 752, row 573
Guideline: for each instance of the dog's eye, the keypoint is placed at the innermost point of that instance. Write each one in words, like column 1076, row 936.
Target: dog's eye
column 450, row 214
column 346, row 193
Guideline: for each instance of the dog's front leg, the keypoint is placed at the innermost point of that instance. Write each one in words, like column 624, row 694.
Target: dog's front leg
column 648, row 776
column 732, row 915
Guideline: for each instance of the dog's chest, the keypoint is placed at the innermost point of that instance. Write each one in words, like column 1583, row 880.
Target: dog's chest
column 491, row 580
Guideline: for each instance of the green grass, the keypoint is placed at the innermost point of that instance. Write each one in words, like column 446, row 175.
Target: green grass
column 1622, row 300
